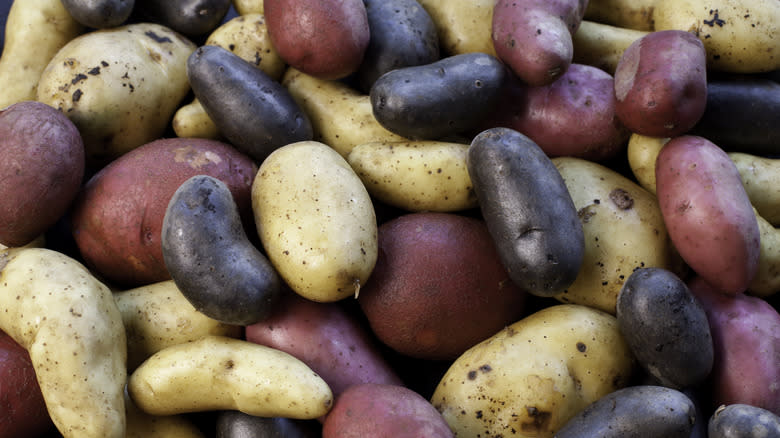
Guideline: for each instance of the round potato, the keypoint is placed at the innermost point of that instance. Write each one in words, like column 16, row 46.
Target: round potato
column 734, row 420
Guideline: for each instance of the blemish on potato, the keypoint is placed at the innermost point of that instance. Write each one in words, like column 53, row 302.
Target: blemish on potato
column 621, row 198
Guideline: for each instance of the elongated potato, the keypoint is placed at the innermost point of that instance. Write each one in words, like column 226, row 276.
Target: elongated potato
column 463, row 25
column 766, row 282
column 629, row 14
column 143, row 425
column 601, row 45
column 642, row 152
column 761, row 178
column 69, row 323
column 221, row 373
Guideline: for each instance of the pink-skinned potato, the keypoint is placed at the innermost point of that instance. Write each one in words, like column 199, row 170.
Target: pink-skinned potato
column 746, row 341
column 117, row 218
column 42, row 163
column 383, row 411
column 707, row 212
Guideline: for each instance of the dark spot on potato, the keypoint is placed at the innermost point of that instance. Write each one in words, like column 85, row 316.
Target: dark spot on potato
column 715, row 19
column 94, row 71
column 585, row 213
column 581, row 347
column 157, row 38
column 229, row 364
column 621, row 198
column 77, row 95
column 472, row 375
column 540, row 420
column 479, row 414
column 78, row 78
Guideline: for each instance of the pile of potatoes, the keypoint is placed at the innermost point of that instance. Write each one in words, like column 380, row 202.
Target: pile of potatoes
column 395, row 218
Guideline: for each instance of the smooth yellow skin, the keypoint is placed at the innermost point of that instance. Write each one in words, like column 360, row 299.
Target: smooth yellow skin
column 463, row 25
column 315, row 220
column 761, row 179
column 34, row 31
column 143, row 425
column 158, row 315
column 221, row 373
column 766, row 282
column 119, row 86
column 602, row 45
column 244, row 7
column 69, row 323
column 531, row 377
column 623, row 229
column 416, row 175
column 741, row 39
column 341, row 116
column 642, row 152
column 628, row 14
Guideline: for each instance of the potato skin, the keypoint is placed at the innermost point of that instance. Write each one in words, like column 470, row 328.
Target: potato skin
column 99, row 14
column 42, row 163
column 739, row 420
column 192, row 18
column 236, row 424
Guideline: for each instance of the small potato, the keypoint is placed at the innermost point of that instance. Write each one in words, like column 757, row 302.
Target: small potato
column 742, row 420
column 761, row 178
column 191, row 18
column 642, row 153
column 628, row 14
column 100, row 14
column 602, row 45
column 463, row 26
column 244, row 7
column 766, row 282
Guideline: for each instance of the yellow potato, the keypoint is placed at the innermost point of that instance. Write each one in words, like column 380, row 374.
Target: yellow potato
column 740, row 36
column 143, row 425
column 221, row 373
column 602, row 45
column 158, row 315
column 69, row 323
column 463, row 25
column 34, row 31
column 315, row 220
column 761, row 179
column 341, row 116
column 244, row 7
column 642, row 152
column 623, row 228
column 766, row 282
column 533, row 376
column 629, row 14
column 416, row 175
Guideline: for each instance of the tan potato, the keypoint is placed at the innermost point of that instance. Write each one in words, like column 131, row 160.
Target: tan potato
column 244, row 7
column 766, row 282
column 416, row 175
column 44, row 25
column 69, row 323
column 629, row 14
column 602, row 45
column 531, row 377
column 642, row 152
column 761, row 179
column 463, row 25
column 143, row 425
column 341, row 116
column 221, row 373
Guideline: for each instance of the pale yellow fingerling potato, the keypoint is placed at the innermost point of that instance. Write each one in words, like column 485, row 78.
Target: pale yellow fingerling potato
column 119, row 86
column 739, row 36
column 416, row 175
column 158, row 315
column 34, row 31
column 315, row 220
column 642, row 152
column 531, row 377
column 629, row 14
column 602, row 45
column 69, row 323
column 463, row 25
column 221, row 373
column 244, row 7
column 766, row 282
column 143, row 425
column 761, row 179
column 624, row 230
column 192, row 121
column 341, row 116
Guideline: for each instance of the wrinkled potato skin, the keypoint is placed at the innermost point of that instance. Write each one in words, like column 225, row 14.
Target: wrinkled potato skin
column 463, row 25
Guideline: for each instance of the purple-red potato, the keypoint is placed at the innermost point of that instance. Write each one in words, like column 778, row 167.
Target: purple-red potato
column 534, row 37
column 41, row 169
column 22, row 408
column 661, row 84
column 383, row 411
column 707, row 212
column 574, row 116
column 326, row 39
column 746, row 341
column 117, row 218
column 328, row 339
column 438, row 286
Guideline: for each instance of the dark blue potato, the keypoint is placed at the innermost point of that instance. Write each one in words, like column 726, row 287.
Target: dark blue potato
column 210, row 257
column 743, row 421
column 236, row 424
column 192, row 18
column 99, row 14
column 528, row 211
column 402, row 35
column 446, row 97
column 666, row 327
column 642, row 411
column 254, row 112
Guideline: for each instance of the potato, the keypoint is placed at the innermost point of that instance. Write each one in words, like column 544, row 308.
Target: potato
column 378, row 410
column 534, row 37
column 702, row 200
column 628, row 14
column 442, row 98
column 221, row 373
column 602, row 45
column 244, row 7
column 210, row 257
column 438, row 287
column 315, row 220
column 423, row 175
column 661, row 84
column 143, row 425
column 623, row 230
column 192, row 18
column 642, row 153
column 528, row 211
column 738, row 420
column 644, row 411
column 328, row 338
column 236, row 424
column 761, row 178
column 117, row 218
column 120, row 86
column 69, row 323
column 44, row 24
column 324, row 38
column 739, row 36
column 100, row 14
column 341, row 116
column 157, row 315
column 42, row 163
column 766, row 282
column 463, row 26
column 532, row 377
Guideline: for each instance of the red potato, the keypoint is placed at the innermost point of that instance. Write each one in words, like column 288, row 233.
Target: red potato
column 383, row 411
column 534, row 37
column 326, row 39
column 707, row 212
column 328, row 339
column 661, row 84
